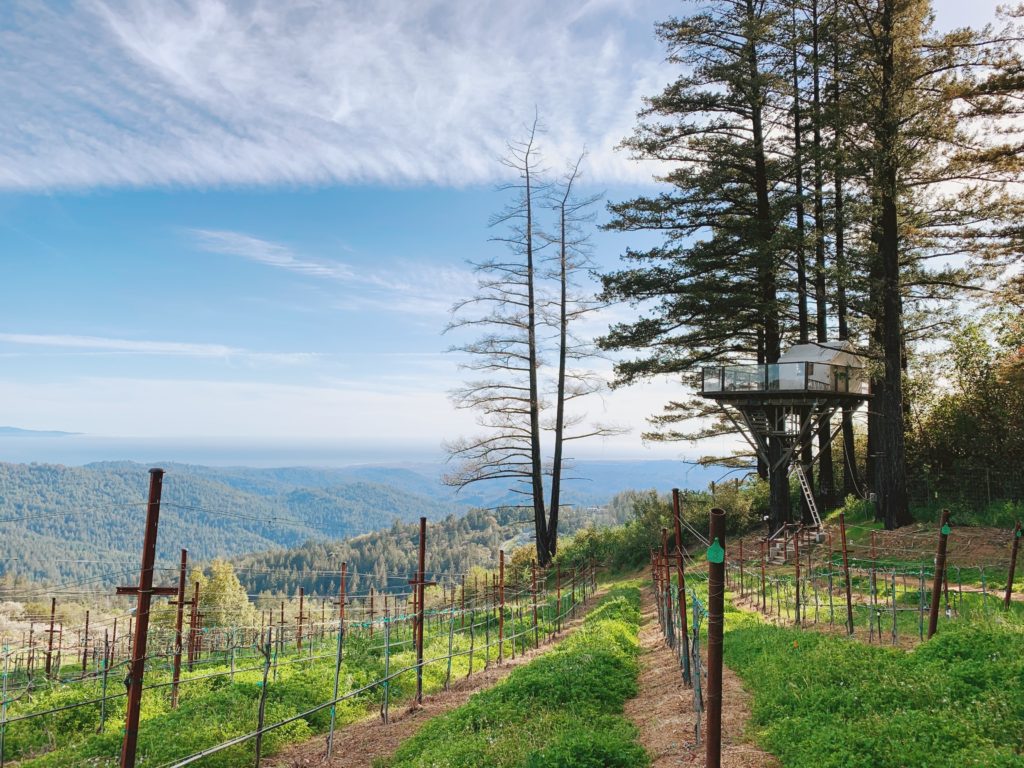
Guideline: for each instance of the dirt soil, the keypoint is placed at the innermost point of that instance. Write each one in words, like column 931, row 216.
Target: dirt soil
column 663, row 710
column 359, row 744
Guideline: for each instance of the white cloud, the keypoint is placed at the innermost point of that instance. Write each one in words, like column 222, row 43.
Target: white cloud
column 146, row 347
column 207, row 92
column 267, row 252
column 410, row 286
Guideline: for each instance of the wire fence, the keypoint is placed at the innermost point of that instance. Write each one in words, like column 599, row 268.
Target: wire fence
column 465, row 632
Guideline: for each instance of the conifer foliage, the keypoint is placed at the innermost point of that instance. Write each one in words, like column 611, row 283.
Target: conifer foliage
column 835, row 169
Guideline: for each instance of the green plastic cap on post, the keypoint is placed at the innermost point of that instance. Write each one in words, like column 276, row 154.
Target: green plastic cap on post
column 715, row 552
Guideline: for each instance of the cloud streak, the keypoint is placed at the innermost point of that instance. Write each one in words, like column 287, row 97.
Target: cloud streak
column 411, row 287
column 147, row 347
column 205, row 92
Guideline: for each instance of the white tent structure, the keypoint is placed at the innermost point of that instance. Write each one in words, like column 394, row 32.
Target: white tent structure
column 828, row 366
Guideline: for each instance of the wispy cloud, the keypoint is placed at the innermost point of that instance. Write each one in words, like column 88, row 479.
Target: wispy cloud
column 267, row 252
column 410, row 287
column 201, row 92
column 148, row 347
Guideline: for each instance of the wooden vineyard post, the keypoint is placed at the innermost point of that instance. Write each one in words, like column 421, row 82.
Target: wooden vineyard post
column 716, row 611
column 846, row 575
column 179, row 603
column 384, row 705
column 940, row 569
column 144, row 592
column 337, row 658
column 193, row 626
column 558, row 586
column 684, row 636
column 533, row 602
column 874, row 593
column 796, row 557
column 1015, row 547
column 742, row 588
column 501, row 606
column 764, row 592
column 50, row 631
column 300, row 618
column 667, row 597
column 85, row 645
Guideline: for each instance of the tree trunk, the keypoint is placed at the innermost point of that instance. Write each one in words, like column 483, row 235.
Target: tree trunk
column 890, row 459
column 537, row 478
column 767, row 268
column 826, row 475
column 563, row 332
column 851, row 482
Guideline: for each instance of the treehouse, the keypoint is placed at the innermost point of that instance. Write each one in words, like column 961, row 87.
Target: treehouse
column 803, row 371
column 780, row 406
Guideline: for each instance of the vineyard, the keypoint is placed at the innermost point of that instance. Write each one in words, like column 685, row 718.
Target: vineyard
column 825, row 627
column 276, row 682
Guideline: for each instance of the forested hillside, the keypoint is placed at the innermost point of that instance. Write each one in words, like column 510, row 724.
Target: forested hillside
column 72, row 523
column 387, row 557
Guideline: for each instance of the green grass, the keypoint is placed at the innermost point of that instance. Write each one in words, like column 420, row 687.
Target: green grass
column 826, row 702
column 562, row 710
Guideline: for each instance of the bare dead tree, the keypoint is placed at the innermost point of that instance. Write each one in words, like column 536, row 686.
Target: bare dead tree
column 571, row 261
column 507, row 398
column 525, row 309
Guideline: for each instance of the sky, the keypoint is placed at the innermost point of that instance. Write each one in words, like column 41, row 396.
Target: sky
column 249, row 220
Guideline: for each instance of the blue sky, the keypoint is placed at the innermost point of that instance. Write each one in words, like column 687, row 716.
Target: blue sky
column 249, row 219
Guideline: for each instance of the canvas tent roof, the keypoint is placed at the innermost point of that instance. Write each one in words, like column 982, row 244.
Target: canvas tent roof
column 834, row 352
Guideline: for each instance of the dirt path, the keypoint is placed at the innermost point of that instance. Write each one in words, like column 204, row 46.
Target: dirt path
column 359, row 744
column 663, row 710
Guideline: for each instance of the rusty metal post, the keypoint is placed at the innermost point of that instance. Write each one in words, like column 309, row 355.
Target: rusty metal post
column 338, row 658
column 144, row 592
column 940, row 569
column 501, row 606
column 716, row 614
column 1013, row 568
column 684, row 635
column 420, row 585
column 178, row 622
column 846, row 575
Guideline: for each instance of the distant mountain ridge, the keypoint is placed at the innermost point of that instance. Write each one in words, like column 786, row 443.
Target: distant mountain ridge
column 69, row 524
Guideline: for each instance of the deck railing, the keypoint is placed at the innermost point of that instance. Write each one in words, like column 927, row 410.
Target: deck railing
column 785, row 377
